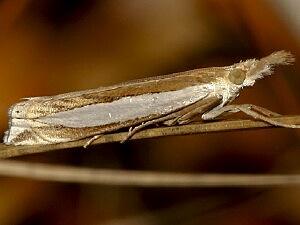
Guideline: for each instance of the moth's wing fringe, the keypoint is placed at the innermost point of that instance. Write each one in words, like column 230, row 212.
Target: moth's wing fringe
column 7, row 133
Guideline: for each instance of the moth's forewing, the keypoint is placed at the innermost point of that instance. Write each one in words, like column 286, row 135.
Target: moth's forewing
column 43, row 106
column 29, row 126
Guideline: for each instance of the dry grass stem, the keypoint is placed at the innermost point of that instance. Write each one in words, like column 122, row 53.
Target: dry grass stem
column 7, row 151
column 46, row 172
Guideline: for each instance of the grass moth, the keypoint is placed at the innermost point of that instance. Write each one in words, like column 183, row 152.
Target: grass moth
column 169, row 99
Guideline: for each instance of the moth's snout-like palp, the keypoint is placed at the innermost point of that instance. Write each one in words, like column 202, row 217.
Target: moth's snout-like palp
column 257, row 69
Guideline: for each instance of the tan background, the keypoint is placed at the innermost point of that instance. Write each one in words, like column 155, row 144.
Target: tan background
column 54, row 46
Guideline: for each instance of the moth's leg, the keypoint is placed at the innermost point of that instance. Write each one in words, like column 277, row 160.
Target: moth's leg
column 256, row 108
column 264, row 111
column 193, row 110
column 91, row 140
column 189, row 112
column 136, row 129
column 247, row 109
column 202, row 106
column 169, row 117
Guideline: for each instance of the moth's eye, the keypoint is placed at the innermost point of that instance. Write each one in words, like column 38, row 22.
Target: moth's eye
column 237, row 76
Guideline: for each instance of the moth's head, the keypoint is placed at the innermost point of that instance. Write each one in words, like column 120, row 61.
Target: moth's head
column 246, row 73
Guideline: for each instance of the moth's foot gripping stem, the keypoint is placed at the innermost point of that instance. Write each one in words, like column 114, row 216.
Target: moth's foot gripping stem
column 254, row 111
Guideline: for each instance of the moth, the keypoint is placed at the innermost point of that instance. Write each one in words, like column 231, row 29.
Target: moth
column 173, row 99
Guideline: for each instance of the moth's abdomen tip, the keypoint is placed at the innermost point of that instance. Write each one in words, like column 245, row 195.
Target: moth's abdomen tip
column 280, row 58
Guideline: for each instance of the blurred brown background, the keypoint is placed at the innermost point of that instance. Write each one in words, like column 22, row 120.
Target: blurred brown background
column 54, row 46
